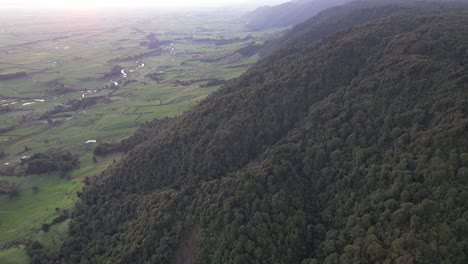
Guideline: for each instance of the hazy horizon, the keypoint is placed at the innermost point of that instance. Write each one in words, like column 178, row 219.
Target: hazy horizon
column 92, row 4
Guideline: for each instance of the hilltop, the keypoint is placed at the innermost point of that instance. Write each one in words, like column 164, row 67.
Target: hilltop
column 346, row 16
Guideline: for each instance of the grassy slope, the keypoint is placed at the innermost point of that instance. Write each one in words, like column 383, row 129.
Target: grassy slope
column 32, row 210
column 21, row 216
column 13, row 256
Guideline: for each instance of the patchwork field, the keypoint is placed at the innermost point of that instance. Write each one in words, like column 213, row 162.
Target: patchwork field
column 68, row 78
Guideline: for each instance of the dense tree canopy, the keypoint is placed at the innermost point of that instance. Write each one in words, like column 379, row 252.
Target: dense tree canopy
column 350, row 150
column 345, row 16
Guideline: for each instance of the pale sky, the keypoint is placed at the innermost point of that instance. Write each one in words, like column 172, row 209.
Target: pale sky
column 119, row 3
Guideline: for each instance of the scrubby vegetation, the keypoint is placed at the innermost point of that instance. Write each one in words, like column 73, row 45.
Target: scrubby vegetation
column 9, row 188
column 53, row 160
column 16, row 75
column 6, row 108
column 209, row 82
column 350, row 150
column 50, row 161
column 116, row 71
column 213, row 82
column 146, row 131
column 250, row 49
column 74, row 105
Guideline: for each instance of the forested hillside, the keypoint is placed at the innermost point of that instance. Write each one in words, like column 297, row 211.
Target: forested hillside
column 350, row 150
column 345, row 16
column 286, row 14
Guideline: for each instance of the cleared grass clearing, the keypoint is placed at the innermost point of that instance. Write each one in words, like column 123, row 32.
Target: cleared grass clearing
column 14, row 256
column 24, row 215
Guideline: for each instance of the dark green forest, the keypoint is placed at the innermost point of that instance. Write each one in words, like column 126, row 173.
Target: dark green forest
column 350, row 149
column 345, row 16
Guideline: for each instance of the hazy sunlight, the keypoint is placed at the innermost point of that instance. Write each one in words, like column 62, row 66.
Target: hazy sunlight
column 111, row 3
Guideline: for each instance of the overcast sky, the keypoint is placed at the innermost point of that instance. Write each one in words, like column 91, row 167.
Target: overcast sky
column 127, row 3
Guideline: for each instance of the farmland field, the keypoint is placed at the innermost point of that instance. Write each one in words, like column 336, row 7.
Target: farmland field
column 70, row 77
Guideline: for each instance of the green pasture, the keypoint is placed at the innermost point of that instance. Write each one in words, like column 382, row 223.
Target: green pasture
column 15, row 255
column 24, row 215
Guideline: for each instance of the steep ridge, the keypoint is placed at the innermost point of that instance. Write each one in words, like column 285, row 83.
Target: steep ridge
column 345, row 16
column 354, row 149
column 286, row 14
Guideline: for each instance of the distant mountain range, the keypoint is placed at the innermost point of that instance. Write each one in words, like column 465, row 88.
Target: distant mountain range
column 287, row 14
